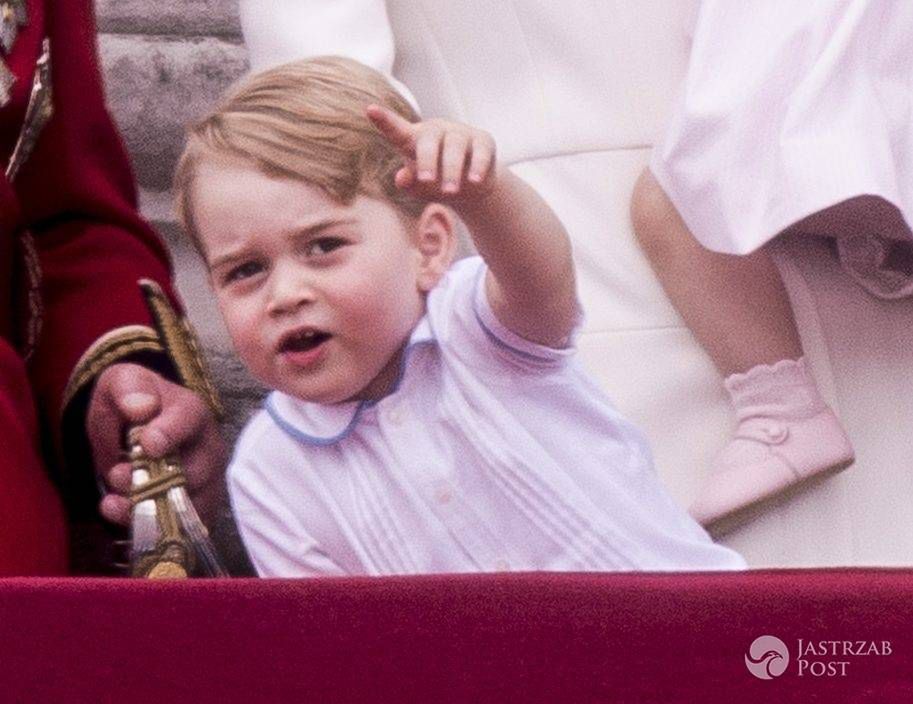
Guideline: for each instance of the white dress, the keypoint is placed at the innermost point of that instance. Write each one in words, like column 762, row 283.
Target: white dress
column 576, row 94
column 789, row 109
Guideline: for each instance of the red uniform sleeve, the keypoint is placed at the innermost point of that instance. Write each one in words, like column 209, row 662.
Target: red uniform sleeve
column 78, row 200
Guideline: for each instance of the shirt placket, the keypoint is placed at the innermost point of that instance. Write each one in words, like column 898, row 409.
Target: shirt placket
column 402, row 421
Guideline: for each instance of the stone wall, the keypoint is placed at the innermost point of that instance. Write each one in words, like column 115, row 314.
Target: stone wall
column 164, row 64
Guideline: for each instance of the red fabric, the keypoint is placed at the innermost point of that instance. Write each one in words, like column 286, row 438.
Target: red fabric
column 77, row 197
column 475, row 638
column 9, row 217
column 32, row 535
column 75, row 194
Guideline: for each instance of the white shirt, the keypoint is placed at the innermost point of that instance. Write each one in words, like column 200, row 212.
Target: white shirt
column 492, row 453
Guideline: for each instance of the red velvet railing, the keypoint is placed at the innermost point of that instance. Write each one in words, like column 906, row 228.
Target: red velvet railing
column 490, row 638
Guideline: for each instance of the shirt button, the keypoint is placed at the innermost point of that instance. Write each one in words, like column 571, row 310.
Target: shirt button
column 394, row 416
column 444, row 495
column 502, row 565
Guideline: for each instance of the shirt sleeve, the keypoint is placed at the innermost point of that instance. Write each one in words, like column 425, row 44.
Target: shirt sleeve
column 275, row 539
column 469, row 328
column 279, row 31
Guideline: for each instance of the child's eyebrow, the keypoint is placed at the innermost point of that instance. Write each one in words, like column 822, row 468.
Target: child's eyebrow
column 227, row 259
column 316, row 227
column 296, row 232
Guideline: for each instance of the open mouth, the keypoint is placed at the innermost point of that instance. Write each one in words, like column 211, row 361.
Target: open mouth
column 304, row 340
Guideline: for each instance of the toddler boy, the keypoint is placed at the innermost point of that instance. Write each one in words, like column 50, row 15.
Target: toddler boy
column 427, row 416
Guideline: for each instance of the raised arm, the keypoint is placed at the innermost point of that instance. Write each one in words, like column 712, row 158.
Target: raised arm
column 531, row 285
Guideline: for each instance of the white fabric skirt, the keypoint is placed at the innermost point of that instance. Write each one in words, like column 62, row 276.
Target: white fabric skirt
column 799, row 116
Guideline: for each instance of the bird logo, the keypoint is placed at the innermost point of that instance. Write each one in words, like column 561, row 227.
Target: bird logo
column 767, row 657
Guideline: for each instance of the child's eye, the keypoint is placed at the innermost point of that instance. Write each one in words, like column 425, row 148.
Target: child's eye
column 243, row 271
column 324, row 245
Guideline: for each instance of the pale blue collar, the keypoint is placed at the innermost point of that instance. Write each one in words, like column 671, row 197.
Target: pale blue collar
column 326, row 424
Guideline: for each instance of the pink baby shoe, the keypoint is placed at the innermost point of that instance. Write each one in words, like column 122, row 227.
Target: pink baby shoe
column 786, row 436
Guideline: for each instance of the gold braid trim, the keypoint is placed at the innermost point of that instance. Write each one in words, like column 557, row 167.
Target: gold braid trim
column 39, row 111
column 36, row 306
column 157, row 486
column 108, row 349
column 182, row 345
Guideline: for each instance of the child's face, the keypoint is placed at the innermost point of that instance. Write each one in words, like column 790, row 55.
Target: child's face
column 319, row 297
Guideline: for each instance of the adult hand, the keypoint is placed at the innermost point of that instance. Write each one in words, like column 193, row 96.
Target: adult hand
column 175, row 420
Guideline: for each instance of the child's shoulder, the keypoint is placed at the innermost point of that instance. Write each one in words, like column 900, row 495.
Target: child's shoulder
column 462, row 274
column 256, row 430
column 457, row 287
column 463, row 321
column 258, row 441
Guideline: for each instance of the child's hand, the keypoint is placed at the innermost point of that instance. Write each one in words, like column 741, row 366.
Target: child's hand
column 445, row 161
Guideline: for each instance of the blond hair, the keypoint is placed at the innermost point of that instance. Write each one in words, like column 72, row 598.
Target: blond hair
column 303, row 120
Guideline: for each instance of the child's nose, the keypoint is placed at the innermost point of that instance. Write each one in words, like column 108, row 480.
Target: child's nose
column 290, row 290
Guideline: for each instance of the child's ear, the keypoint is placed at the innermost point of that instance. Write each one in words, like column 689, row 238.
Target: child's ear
column 436, row 240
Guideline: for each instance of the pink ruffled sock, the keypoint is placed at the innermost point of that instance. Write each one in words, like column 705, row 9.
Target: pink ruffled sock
column 786, row 434
column 783, row 390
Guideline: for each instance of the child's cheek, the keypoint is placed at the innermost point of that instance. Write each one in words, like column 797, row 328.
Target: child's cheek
column 243, row 332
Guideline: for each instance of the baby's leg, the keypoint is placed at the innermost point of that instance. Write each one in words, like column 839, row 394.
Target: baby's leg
column 739, row 311
column 736, row 306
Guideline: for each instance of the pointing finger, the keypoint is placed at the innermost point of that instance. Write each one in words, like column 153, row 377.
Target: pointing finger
column 427, row 153
column 398, row 131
